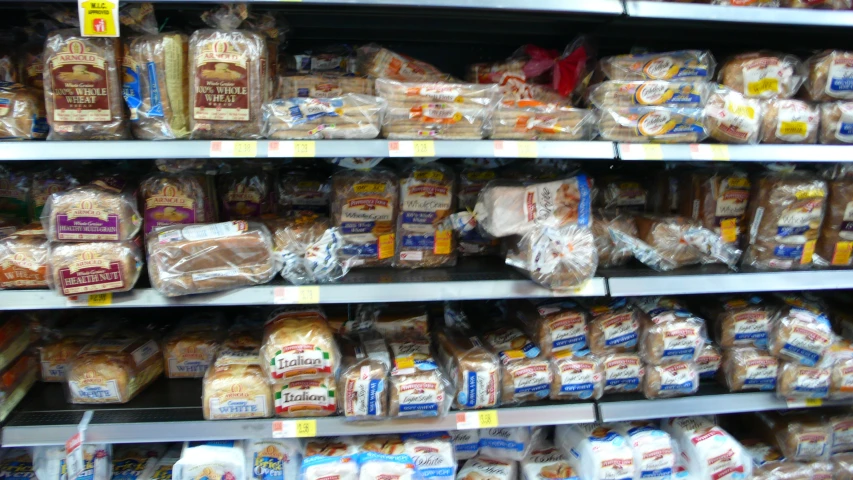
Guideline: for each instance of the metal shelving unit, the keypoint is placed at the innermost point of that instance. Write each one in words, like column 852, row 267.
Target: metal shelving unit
column 735, row 153
column 718, row 13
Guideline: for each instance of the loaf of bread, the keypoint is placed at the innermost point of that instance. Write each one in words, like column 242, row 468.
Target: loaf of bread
column 576, row 376
column 305, row 397
column 652, row 125
column 670, row 340
column 531, row 120
column 670, row 380
column 801, row 335
column 364, row 207
column 709, row 361
column 836, row 123
column 114, row 368
column 800, row 381
column 55, row 355
column 157, row 90
column 683, row 65
column 621, row 192
column 746, row 368
column 296, row 234
column 97, row 267
column 298, row 344
column 526, row 380
column 302, row 191
column 763, row 74
column 173, row 199
column 829, row 76
column 835, row 243
column 681, row 93
column 24, row 260
column 418, row 393
column 246, row 194
column 665, row 245
column 614, row 328
column 744, row 322
column 842, row 432
column 732, row 117
column 557, row 325
column 18, row 112
column 45, row 183
column 611, row 254
column 349, row 116
column 474, row 369
column 183, row 260
column 842, row 466
column 800, row 437
column 790, row 121
column 322, row 85
column 557, row 258
column 236, row 391
column 378, row 62
column 104, row 210
column 785, row 214
column 510, row 344
column 189, row 352
column 623, row 372
column 483, row 468
column 840, row 359
column 427, row 198
column 718, row 200
column 363, row 382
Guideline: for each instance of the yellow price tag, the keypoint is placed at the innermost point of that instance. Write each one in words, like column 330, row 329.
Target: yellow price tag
column 234, row 149
column 527, row 150
column 442, row 242
column 720, row 152
column 100, row 299
column 404, row 363
column 652, row 151
column 296, row 295
column 98, row 18
column 310, row 294
column 294, row 428
column 640, row 151
column 386, row 246
column 488, row 418
column 728, row 230
column 424, row 148
column 304, row 149
column 306, row 428
column 808, row 252
column 814, row 402
column 246, row 149
column 842, row 253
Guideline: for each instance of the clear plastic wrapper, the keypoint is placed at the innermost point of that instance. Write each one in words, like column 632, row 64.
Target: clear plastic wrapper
column 558, row 258
column 466, row 443
column 744, row 322
column 309, row 248
column 272, row 457
column 184, row 260
column 24, row 259
column 220, row 459
column 188, row 352
column 472, row 179
column 156, row 89
column 349, row 116
column 800, row 381
column 509, row 443
column 418, row 387
column 557, row 326
column 709, row 361
column 526, row 380
column 18, row 377
column 531, row 120
column 785, row 214
column 173, row 199
column 305, row 397
column 718, row 200
column 49, row 462
column 764, row 74
column 382, row 456
column 378, row 62
column 652, row 125
column 19, row 108
column 801, row 335
column 682, row 65
column 801, row 438
column 650, row 93
column 655, row 455
column 56, row 354
column 246, row 193
column 829, row 73
column 114, row 368
column 474, row 369
column 611, row 254
column 322, row 85
column 598, row 451
column 623, row 372
column 747, row 368
column 836, row 123
column 614, row 327
column 790, row 121
column 479, row 468
column 427, row 198
column 835, row 242
column 363, row 381
column 678, row 339
column 839, row 358
column 545, row 461
column 671, row 380
column 97, row 267
column 432, row 453
column 104, row 210
column 842, row 432
column 732, row 117
column 73, row 62
column 842, row 466
column 709, row 451
column 45, row 183
column 298, row 343
column 577, row 376
column 325, row 457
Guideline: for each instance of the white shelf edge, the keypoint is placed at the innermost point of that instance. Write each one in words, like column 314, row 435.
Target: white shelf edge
column 735, row 153
column 728, row 14
column 663, row 284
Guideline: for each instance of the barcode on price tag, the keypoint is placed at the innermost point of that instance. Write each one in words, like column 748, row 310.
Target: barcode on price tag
column 423, row 148
column 292, row 149
column 233, row 149
column 479, row 419
column 296, row 295
column 294, row 428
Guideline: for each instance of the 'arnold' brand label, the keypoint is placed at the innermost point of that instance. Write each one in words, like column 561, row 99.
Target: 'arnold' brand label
column 94, row 387
column 86, row 221
column 90, row 273
column 168, row 206
column 222, row 83
column 22, row 270
column 237, row 402
column 81, row 84
column 190, row 361
column 312, row 394
column 300, row 359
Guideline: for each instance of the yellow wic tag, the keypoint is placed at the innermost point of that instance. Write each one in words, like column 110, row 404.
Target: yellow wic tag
column 728, row 230
column 479, row 419
column 100, row 299
column 98, row 18
column 442, row 242
column 488, row 418
column 841, row 256
column 386, row 246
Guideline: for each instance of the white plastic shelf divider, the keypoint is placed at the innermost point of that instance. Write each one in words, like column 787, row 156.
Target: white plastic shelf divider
column 139, row 149
column 735, row 153
column 719, row 13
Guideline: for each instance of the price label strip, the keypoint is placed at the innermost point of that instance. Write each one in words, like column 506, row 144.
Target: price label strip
column 503, row 148
column 640, row 151
column 478, row 419
column 423, row 148
column 98, row 18
column 296, row 295
column 91, row 300
column 301, row 149
column 229, row 149
column 294, row 428
column 718, row 153
column 804, row 402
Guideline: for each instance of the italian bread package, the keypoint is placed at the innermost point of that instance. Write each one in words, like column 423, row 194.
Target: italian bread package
column 763, row 74
column 835, row 243
column 785, row 214
column 96, row 267
column 298, row 343
column 598, row 451
column 173, row 199
column 427, row 198
column 474, row 369
column 104, row 210
column 227, row 88
column 83, row 94
column 305, row 397
column 363, row 382
column 718, row 200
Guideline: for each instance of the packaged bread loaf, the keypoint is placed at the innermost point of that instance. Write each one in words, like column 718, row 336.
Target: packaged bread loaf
column 545, row 461
column 576, row 376
column 763, row 74
column 432, row 453
column 330, row 457
column 613, row 328
column 466, row 443
column 363, row 382
column 236, row 391
column 621, row 192
column 364, row 207
column 222, row 459
column 732, row 117
column 842, row 466
column 558, row 325
column 324, row 85
column 474, row 370
column 509, row 443
column 597, row 450
column 841, row 424
column 718, row 200
column 532, row 120
column 654, row 451
column 97, row 267
column 303, row 191
column 349, row 116
column 46, row 183
column 623, row 372
column 18, row 112
column 157, row 92
column 835, row 242
column 418, row 387
column 836, row 123
column 611, row 254
column 73, row 63
column 298, row 343
column 188, row 352
column 114, row 368
column 829, row 77
column 437, row 110
column 682, row 65
column 709, row 451
column 104, row 210
column 427, row 198
column 744, row 322
column 800, row 437
column 305, row 397
column 669, row 340
column 800, row 381
column 839, row 358
column 800, row 334
column 652, row 125
column 173, row 199
column 24, row 259
column 709, row 361
column 273, row 457
column 747, row 368
column 614, row 93
column 55, row 355
column 246, row 193
column 670, row 380
column 511, row 344
column 378, row 62
column 790, row 121
column 481, row 468
column 558, row 258
column 785, row 214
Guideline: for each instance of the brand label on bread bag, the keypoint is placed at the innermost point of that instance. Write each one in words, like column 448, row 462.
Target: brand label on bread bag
column 732, row 198
column 425, row 202
column 90, row 273
column 204, row 232
column 666, row 67
column 480, row 389
column 707, row 364
column 466, row 443
column 663, row 123
column 844, row 128
column 811, row 382
column 93, row 387
column 750, row 327
column 87, row 222
column 842, row 435
column 222, row 79
column 305, row 395
column 268, row 461
column 419, row 397
column 805, row 344
column 736, row 118
column 502, row 439
column 530, row 379
column 811, row 445
column 238, row 403
column 242, row 201
column 365, row 216
column 760, row 373
column 80, row 84
column 567, row 331
column 681, row 343
column 446, row 113
column 190, row 361
column 21, row 270
column 578, row 378
column 665, row 93
column 839, row 81
column 558, row 203
column 766, row 77
column 620, row 330
column 299, row 359
column 623, row 372
column 677, row 377
column 796, row 121
column 363, row 396
column 795, row 223
column 169, row 206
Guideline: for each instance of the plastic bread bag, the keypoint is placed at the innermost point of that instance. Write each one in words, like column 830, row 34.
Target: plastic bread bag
column 531, row 120
column 245, row 192
column 829, row 76
column 19, row 113
column 46, row 182
column 682, row 65
column 611, row 254
column 184, row 260
column 764, row 74
column 324, row 457
column 298, row 343
column 439, row 111
column 652, row 125
column 842, row 432
column 303, row 191
column 577, row 376
column 385, row 455
column 769, row 463
column 671, row 380
column 614, row 327
column 842, row 466
column 511, row 344
column 328, row 84
column 669, row 332
column 432, row 453
column 558, row 258
column 747, row 368
column 802, row 438
column 785, row 214
column 475, row 370
column 800, row 381
column 834, row 245
column 839, row 359
column 349, row 116
column 49, row 462
column 732, row 117
column 526, row 380
column 709, row 450
column 650, row 93
column 479, row 468
column 709, row 361
column 836, row 123
column 558, row 326
column 655, row 455
column 378, row 62
column 509, row 443
column 96, row 267
column 424, row 234
column 104, row 210
column 743, row 322
column 173, row 199
column 309, row 249
column 544, row 462
column 363, row 379
column 188, row 353
column 615, row 192
column 272, row 458
column 466, row 443
column 598, row 451
column 800, row 334
column 24, row 259
column 623, row 372
column 506, row 208
column 718, row 200
column 418, row 387
column 790, row 121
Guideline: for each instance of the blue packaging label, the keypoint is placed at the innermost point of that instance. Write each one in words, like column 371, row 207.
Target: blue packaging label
column 156, row 109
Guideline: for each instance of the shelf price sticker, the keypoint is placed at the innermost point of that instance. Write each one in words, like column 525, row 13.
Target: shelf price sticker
column 294, row 428
column 91, row 300
column 719, row 153
column 300, row 149
column 98, row 18
column 503, row 148
column 296, row 295
column 804, row 402
column 478, row 419
column 640, row 151
column 422, row 148
column 229, row 149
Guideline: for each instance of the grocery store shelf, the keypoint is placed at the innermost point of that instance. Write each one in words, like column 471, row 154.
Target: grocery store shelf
column 471, row 279
column 718, row 279
column 717, row 13
column 169, row 411
column 132, row 150
column 736, row 153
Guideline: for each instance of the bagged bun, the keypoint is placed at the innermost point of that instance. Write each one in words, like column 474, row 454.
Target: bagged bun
column 800, row 335
column 671, row 380
column 305, row 397
column 623, row 372
column 829, row 76
column 733, row 118
column 427, row 198
column 348, row 116
column 763, row 74
column 614, row 328
column 576, row 376
column 97, row 267
column 790, row 121
column 652, row 125
column 746, row 368
column 679, row 65
column 476, row 369
column 236, row 391
column 298, row 344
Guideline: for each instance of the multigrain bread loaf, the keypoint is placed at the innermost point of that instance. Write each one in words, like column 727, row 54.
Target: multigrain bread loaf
column 829, row 76
column 836, row 123
column 173, row 199
column 73, row 63
column 96, row 267
column 732, row 117
column 476, row 369
column 24, row 260
column 718, row 200
column 747, row 368
column 18, row 112
column 298, row 344
column 671, row 380
column 427, row 198
column 611, row 254
column 364, row 207
column 763, row 74
column 236, row 391
column 104, row 210
column 790, row 121
column 800, row 381
column 835, row 243
column 208, row 258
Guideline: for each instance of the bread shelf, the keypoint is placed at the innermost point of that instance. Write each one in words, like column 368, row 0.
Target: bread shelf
column 735, row 153
column 719, row 13
column 169, row 410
